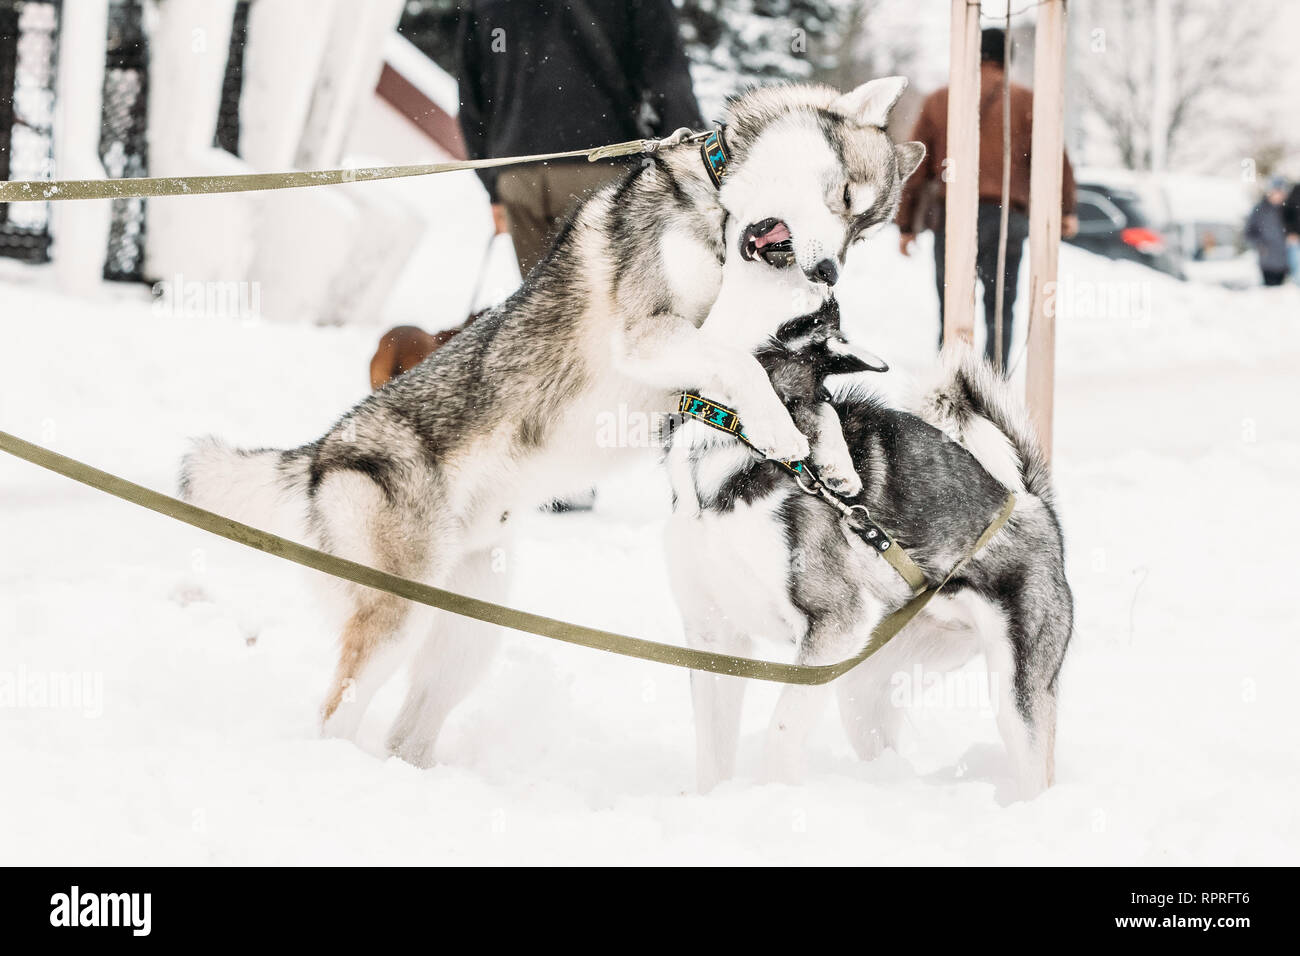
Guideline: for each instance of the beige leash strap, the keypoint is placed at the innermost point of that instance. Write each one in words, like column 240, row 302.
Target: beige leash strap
column 56, row 190
column 473, row 607
column 907, row 569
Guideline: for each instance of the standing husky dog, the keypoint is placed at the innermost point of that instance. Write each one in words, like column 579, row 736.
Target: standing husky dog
column 750, row 554
column 419, row 479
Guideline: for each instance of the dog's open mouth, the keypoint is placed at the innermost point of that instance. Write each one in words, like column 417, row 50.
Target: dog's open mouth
column 768, row 240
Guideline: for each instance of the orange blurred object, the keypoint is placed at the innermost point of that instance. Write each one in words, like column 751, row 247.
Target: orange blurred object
column 401, row 349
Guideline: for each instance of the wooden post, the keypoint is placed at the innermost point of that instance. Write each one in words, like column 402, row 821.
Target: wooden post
column 80, row 229
column 1045, row 213
column 961, row 174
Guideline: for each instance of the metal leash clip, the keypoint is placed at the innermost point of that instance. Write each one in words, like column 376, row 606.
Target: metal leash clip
column 646, row 147
column 816, row 488
column 683, row 134
column 859, row 524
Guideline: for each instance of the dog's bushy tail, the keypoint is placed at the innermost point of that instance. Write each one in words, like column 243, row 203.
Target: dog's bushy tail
column 264, row 487
column 977, row 409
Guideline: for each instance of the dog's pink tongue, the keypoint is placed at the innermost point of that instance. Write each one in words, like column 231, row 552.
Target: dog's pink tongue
column 776, row 234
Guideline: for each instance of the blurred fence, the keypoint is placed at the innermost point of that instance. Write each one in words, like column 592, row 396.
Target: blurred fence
column 28, row 66
column 29, row 45
column 232, row 84
column 123, row 141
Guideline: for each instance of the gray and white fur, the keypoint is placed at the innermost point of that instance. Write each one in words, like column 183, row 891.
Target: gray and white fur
column 752, row 558
column 640, row 296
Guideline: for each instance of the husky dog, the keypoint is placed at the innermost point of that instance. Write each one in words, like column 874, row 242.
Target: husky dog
column 751, row 555
column 420, row 478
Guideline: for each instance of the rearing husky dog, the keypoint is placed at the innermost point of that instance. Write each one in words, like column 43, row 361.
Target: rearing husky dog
column 750, row 555
column 419, row 479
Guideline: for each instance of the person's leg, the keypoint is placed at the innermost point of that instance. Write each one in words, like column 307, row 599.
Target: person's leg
column 986, row 267
column 567, row 185
column 539, row 198
column 1273, row 276
column 1017, row 233
column 1293, row 260
column 938, row 276
column 988, row 225
column 522, row 191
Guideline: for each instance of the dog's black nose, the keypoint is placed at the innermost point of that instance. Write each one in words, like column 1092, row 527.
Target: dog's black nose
column 825, row 271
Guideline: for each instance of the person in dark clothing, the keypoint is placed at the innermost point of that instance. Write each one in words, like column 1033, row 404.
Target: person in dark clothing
column 932, row 129
column 1266, row 230
column 555, row 75
column 1291, row 220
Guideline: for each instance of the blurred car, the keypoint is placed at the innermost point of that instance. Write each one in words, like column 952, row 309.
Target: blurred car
column 1209, row 213
column 1125, row 217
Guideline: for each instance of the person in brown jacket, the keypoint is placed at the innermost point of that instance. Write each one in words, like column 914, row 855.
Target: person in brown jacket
column 932, row 130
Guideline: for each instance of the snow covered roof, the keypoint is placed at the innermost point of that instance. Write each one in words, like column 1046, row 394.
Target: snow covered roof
column 429, row 78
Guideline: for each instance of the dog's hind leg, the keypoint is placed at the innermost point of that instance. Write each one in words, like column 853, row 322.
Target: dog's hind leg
column 800, row 705
column 870, row 715
column 1024, row 651
column 875, row 696
column 455, row 655
column 356, row 520
column 717, row 701
column 370, row 654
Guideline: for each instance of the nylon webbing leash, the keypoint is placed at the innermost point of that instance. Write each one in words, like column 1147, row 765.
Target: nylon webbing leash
column 147, row 187
column 481, row 610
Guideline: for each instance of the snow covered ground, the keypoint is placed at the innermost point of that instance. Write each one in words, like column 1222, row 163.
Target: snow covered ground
column 200, row 665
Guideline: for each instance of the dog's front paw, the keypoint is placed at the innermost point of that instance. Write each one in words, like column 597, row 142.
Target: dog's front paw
column 775, row 434
column 845, row 483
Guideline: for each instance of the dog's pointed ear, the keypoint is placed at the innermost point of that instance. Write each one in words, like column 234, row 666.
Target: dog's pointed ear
column 845, row 357
column 870, row 103
column 909, row 156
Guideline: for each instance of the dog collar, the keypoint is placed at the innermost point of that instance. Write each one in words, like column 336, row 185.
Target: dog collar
column 716, row 155
column 724, row 419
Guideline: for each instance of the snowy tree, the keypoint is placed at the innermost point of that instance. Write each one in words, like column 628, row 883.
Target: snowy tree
column 431, row 26
column 735, row 43
column 1211, row 76
column 867, row 45
column 761, row 39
